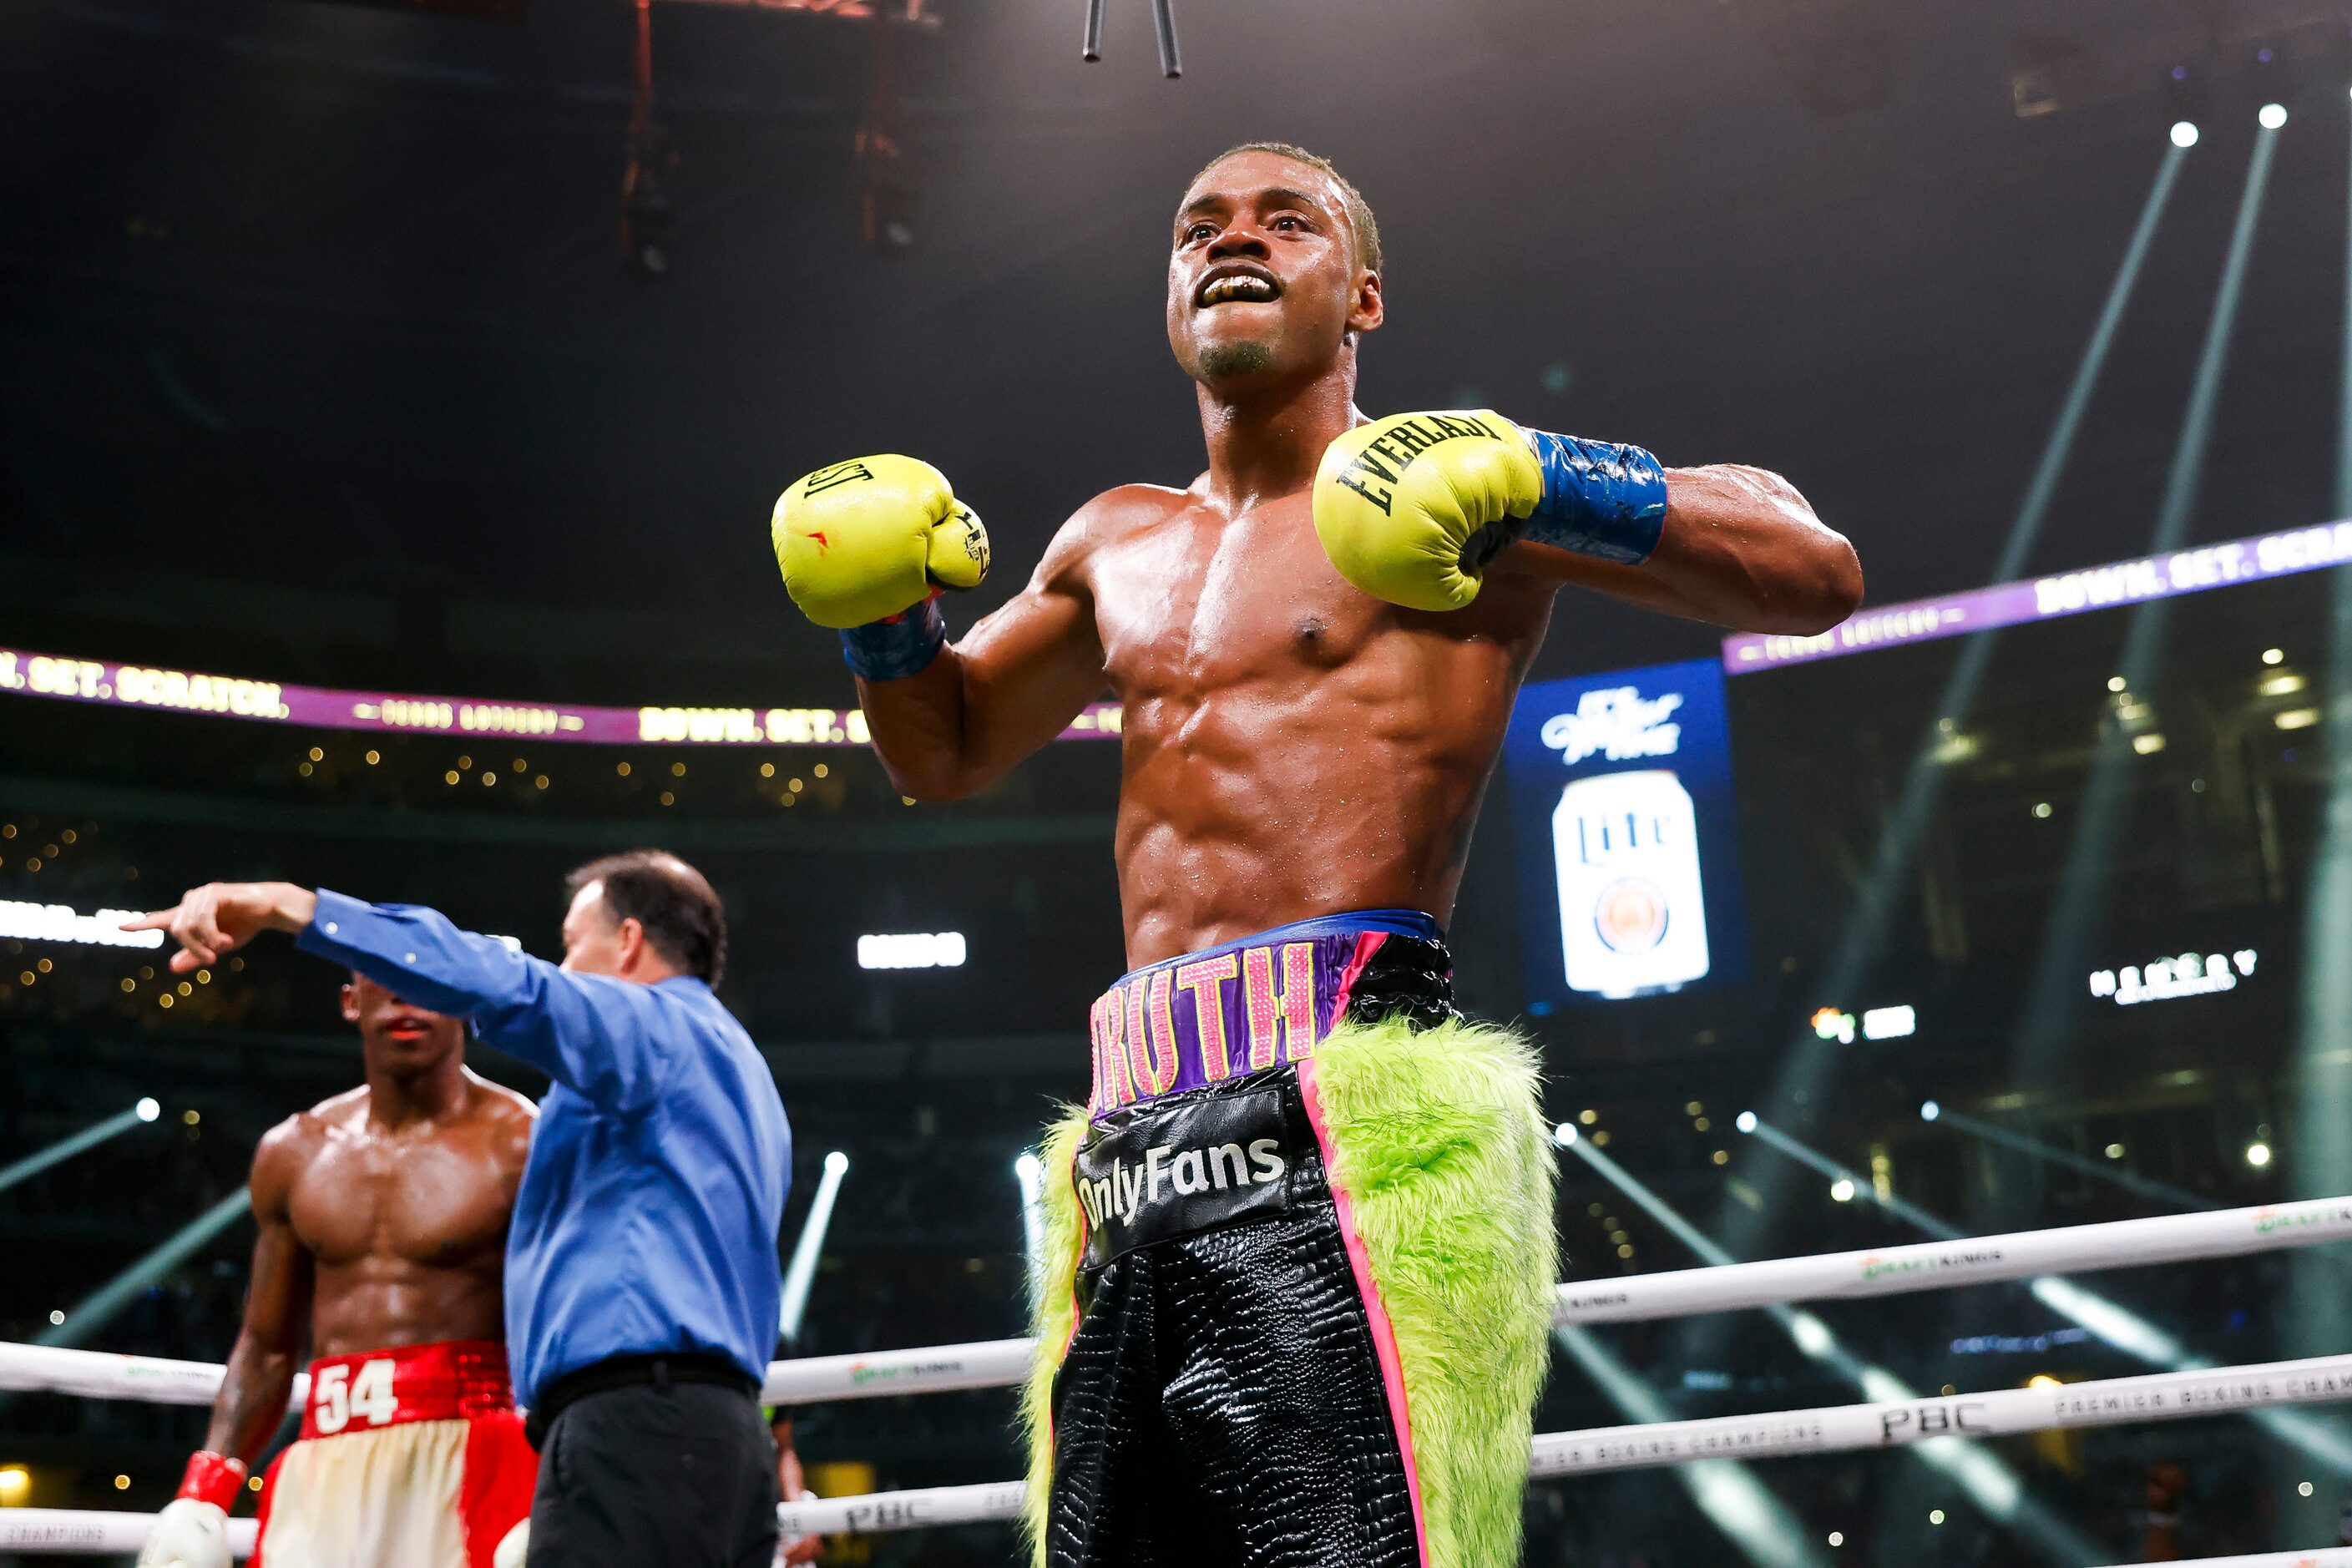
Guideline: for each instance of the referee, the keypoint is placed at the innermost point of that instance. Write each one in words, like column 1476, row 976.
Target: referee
column 642, row 1289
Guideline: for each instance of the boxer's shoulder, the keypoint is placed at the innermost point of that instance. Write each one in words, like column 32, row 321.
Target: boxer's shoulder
column 506, row 1118
column 495, row 1102
column 288, row 1149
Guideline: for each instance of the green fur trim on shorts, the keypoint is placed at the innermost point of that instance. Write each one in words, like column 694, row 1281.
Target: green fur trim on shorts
column 1439, row 1141
column 1054, row 1313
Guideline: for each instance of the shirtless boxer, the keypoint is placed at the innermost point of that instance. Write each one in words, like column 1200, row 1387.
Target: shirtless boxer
column 1301, row 1246
column 383, row 1218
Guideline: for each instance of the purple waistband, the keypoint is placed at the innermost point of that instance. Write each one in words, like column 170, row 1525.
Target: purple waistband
column 1250, row 1005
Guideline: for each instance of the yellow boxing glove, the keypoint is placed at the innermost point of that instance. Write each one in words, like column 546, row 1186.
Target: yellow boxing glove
column 869, row 540
column 1412, row 509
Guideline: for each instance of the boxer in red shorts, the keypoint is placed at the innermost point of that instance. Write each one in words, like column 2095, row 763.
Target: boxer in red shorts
column 383, row 1216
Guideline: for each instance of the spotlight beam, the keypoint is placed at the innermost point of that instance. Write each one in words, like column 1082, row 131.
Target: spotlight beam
column 801, row 1273
column 2323, row 1441
column 103, row 1305
column 2054, row 995
column 1806, row 1064
column 1988, row 1480
column 2163, row 1192
column 65, row 1149
column 2322, row 1146
column 1743, row 1508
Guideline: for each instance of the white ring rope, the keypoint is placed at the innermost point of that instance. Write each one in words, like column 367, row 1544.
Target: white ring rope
column 89, row 1532
column 1683, row 1292
column 1839, row 1428
column 1947, row 1265
column 2317, row 1557
column 1893, row 1424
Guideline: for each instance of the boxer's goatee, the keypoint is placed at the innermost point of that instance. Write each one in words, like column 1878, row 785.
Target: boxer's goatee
column 1223, row 362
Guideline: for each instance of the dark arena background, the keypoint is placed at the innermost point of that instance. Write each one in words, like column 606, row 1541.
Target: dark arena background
column 392, row 399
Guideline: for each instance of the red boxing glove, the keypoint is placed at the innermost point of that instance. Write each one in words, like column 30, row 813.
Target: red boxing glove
column 213, row 1477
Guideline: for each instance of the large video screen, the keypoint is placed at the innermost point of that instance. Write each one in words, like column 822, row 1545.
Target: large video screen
column 1627, row 838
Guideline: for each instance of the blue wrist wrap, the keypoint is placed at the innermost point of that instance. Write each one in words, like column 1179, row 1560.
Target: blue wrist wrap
column 902, row 646
column 1599, row 498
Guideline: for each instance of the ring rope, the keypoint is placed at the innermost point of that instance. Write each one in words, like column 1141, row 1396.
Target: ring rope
column 2317, row 1557
column 1682, row 1292
column 1839, row 1428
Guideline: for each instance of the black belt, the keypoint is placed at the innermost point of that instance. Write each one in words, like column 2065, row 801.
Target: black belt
column 659, row 1371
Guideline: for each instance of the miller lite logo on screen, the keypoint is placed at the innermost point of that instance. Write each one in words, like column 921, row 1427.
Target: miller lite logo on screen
column 1621, row 794
column 1633, row 909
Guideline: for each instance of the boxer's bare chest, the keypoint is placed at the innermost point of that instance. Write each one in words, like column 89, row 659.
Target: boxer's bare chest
column 1196, row 604
column 431, row 1195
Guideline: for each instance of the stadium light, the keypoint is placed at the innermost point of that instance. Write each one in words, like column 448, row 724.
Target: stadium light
column 89, row 1137
column 1564, row 1134
column 1745, row 1122
column 2272, row 116
column 2258, row 1154
column 2046, row 1024
column 912, row 950
column 103, row 1305
column 1998, row 1489
column 801, row 1273
column 2184, row 135
column 1929, row 1110
column 1747, row 1216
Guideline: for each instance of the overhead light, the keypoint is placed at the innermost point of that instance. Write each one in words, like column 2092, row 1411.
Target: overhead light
column 2272, row 116
column 2115, row 683
column 1746, row 1121
column 1890, row 1023
column 1564, row 1134
column 147, row 1109
column 2258, row 1154
column 2281, row 686
column 2297, row 718
column 912, row 950
column 2115, row 1150
column 2148, row 744
column 2273, row 656
column 1842, row 1191
column 1929, row 1110
column 1025, row 1168
column 2184, row 133
column 14, row 1479
column 835, row 1163
column 58, row 923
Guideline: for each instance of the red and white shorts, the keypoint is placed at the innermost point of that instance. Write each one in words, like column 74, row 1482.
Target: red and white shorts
column 411, row 1458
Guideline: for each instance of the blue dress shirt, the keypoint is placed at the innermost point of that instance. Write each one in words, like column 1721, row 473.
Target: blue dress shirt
column 649, row 1206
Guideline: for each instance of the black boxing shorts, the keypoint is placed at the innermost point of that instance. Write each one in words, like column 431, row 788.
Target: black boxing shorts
column 1299, row 1268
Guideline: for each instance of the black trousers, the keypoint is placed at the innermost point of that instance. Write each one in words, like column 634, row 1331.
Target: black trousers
column 681, row 1475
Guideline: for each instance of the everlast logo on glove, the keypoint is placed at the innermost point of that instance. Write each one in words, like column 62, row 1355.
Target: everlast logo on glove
column 1399, row 444
column 1172, row 1169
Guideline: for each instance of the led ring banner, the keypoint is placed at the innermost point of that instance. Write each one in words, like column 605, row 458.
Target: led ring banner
column 390, row 713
